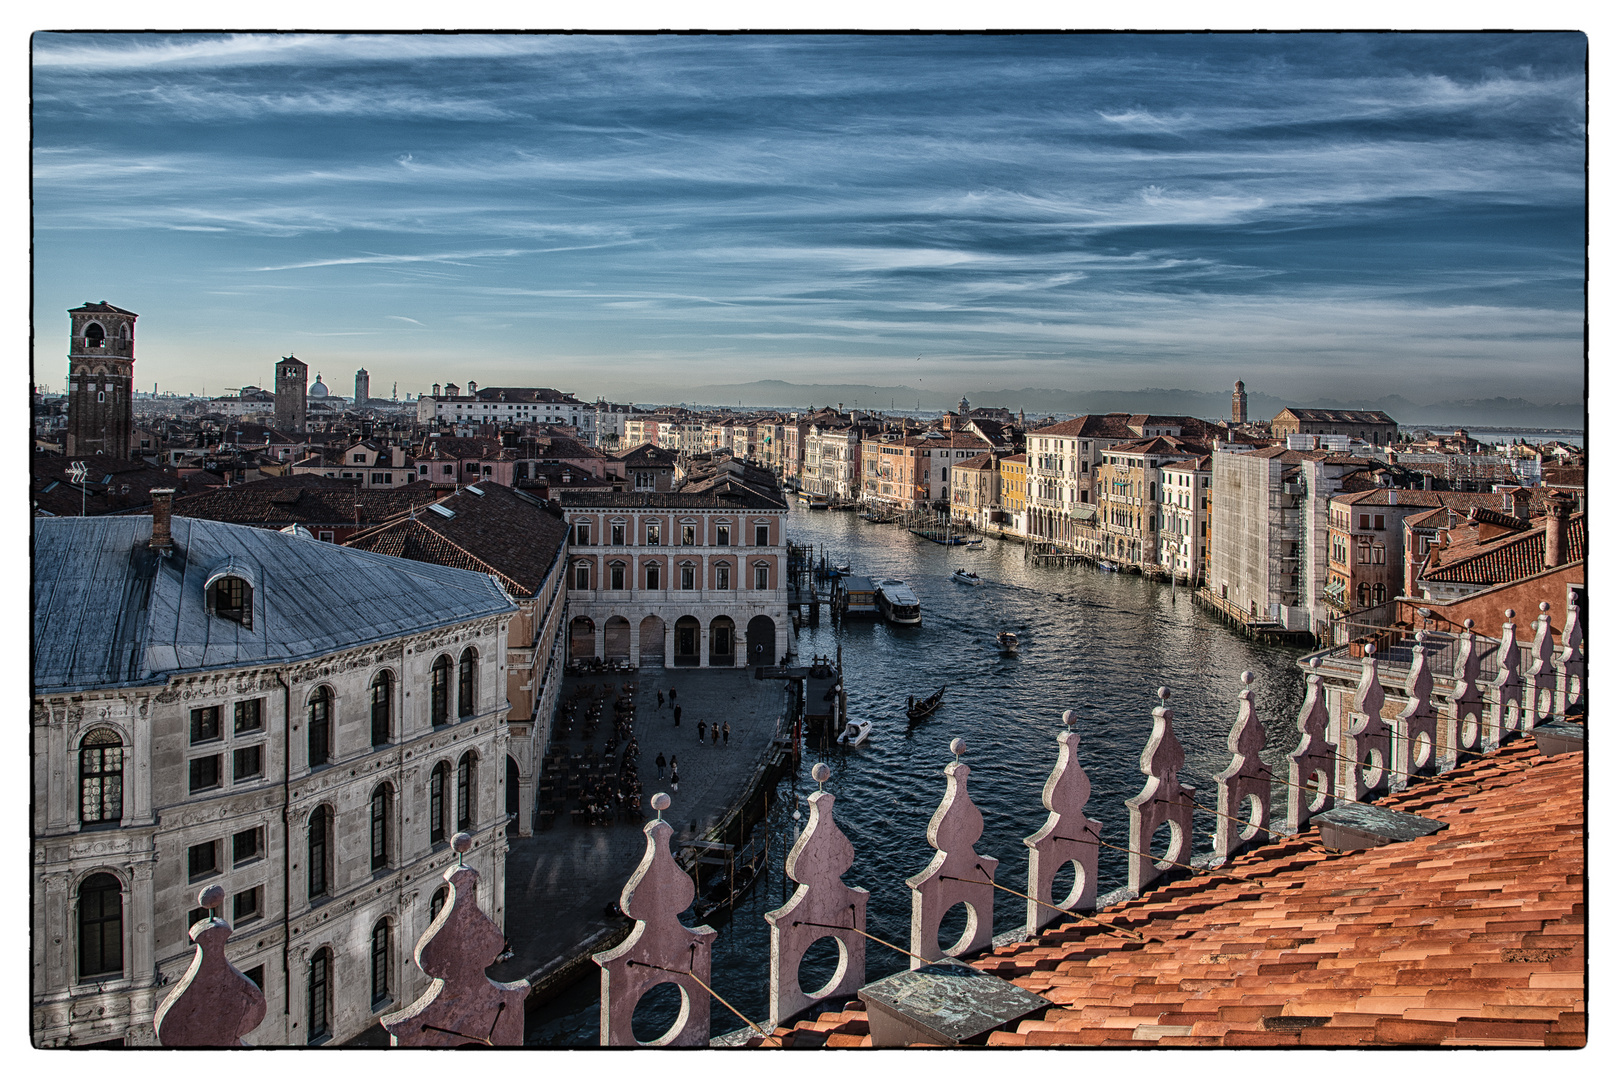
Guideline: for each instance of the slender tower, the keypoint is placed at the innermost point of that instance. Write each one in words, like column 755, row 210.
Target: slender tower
column 362, row 388
column 1238, row 404
column 292, row 395
column 101, row 381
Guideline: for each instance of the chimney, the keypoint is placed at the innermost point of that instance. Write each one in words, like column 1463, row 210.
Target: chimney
column 1555, row 531
column 162, row 541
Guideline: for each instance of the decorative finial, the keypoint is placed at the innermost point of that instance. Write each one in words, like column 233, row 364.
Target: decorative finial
column 1370, row 649
column 1421, row 637
column 1467, row 623
column 1314, row 663
column 957, row 747
column 461, row 843
column 1247, row 678
column 821, row 772
column 1163, row 694
column 211, row 897
column 1068, row 719
column 1544, row 605
column 660, row 803
column 1511, row 613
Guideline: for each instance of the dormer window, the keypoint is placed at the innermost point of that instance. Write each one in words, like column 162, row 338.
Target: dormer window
column 232, row 598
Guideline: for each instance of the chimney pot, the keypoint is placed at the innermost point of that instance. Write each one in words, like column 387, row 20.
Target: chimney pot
column 1556, row 532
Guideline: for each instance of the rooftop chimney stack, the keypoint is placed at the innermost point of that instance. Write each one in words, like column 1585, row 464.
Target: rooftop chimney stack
column 162, row 541
column 1556, row 531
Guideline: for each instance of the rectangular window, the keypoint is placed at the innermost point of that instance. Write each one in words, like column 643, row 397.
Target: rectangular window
column 204, row 724
column 245, row 846
column 581, row 534
column 1379, row 521
column 1365, row 521
column 618, row 534
column 204, row 773
column 615, row 576
column 652, row 577
column 688, row 535
column 247, row 763
column 249, row 715
column 245, row 906
column 376, row 478
column 722, row 535
column 654, row 533
column 721, row 577
column 202, row 860
column 761, row 535
column 761, row 577
column 688, row 577
column 257, row 975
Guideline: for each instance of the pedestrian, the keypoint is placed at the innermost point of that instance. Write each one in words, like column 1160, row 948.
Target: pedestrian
column 671, row 693
column 674, row 779
column 676, row 716
column 660, row 765
column 660, row 699
column 702, row 731
column 674, row 762
column 727, row 732
column 716, row 734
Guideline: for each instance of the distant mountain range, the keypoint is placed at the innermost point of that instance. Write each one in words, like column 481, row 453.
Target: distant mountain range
column 1475, row 412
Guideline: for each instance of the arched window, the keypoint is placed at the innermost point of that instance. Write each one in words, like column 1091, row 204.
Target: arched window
column 440, row 898
column 465, row 791
column 231, row 598
column 101, row 777
column 381, row 708
column 1365, row 594
column 380, row 935
column 320, row 726
column 320, row 995
column 466, row 687
column 440, row 688
column 437, row 818
column 101, row 928
column 1379, row 593
column 94, row 335
column 319, row 850
column 381, row 811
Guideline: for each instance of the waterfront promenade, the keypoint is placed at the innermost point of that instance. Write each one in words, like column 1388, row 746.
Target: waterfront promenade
column 560, row 880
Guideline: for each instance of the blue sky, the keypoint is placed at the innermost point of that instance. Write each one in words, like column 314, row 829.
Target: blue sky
column 1346, row 215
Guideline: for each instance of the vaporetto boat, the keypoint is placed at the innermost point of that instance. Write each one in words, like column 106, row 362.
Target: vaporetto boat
column 898, row 603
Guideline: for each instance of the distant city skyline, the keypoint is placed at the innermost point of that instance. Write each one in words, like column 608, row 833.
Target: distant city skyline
column 630, row 217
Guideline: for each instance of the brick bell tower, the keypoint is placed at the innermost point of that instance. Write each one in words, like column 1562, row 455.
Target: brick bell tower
column 101, row 381
column 292, row 395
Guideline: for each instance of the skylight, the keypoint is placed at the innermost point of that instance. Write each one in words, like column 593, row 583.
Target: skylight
column 442, row 510
column 476, row 491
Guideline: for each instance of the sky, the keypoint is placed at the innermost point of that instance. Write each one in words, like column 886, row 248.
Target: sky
column 1320, row 215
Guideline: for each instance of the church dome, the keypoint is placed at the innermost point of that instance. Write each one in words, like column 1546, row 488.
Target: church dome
column 319, row 389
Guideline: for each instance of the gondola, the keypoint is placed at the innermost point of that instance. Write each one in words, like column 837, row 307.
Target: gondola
column 921, row 710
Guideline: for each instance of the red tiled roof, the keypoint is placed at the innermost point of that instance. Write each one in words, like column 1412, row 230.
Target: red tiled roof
column 1502, row 558
column 1474, row 936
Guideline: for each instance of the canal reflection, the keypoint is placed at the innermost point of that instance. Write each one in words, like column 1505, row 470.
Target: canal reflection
column 1095, row 642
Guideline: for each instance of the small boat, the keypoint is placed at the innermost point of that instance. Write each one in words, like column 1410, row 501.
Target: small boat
column 855, row 733
column 975, row 543
column 813, row 500
column 845, row 569
column 1007, row 641
column 921, row 710
column 898, row 603
column 966, row 577
column 1103, row 564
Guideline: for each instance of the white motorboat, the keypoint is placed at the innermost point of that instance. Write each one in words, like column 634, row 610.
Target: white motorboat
column 1007, row 641
column 966, row 577
column 855, row 733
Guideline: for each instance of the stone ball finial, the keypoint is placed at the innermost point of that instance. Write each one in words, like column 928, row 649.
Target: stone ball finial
column 661, row 801
column 957, row 747
column 1247, row 678
column 1544, row 605
column 1511, row 613
column 1421, row 637
column 1370, row 649
column 1163, row 694
column 1314, row 663
column 461, row 843
column 1467, row 623
column 821, row 772
column 211, row 897
column 1068, row 719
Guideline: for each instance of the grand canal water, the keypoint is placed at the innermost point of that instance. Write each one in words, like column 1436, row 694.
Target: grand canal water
column 1095, row 642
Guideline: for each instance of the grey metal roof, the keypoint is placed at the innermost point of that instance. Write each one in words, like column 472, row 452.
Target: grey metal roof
column 107, row 612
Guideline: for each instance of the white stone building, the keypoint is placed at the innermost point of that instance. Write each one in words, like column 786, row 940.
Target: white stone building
column 690, row 578
column 305, row 725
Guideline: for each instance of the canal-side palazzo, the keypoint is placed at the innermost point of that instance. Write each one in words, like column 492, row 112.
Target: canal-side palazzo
column 690, row 578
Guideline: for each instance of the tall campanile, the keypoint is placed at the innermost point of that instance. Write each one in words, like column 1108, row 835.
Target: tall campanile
column 1238, row 404
column 292, row 395
column 101, row 381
